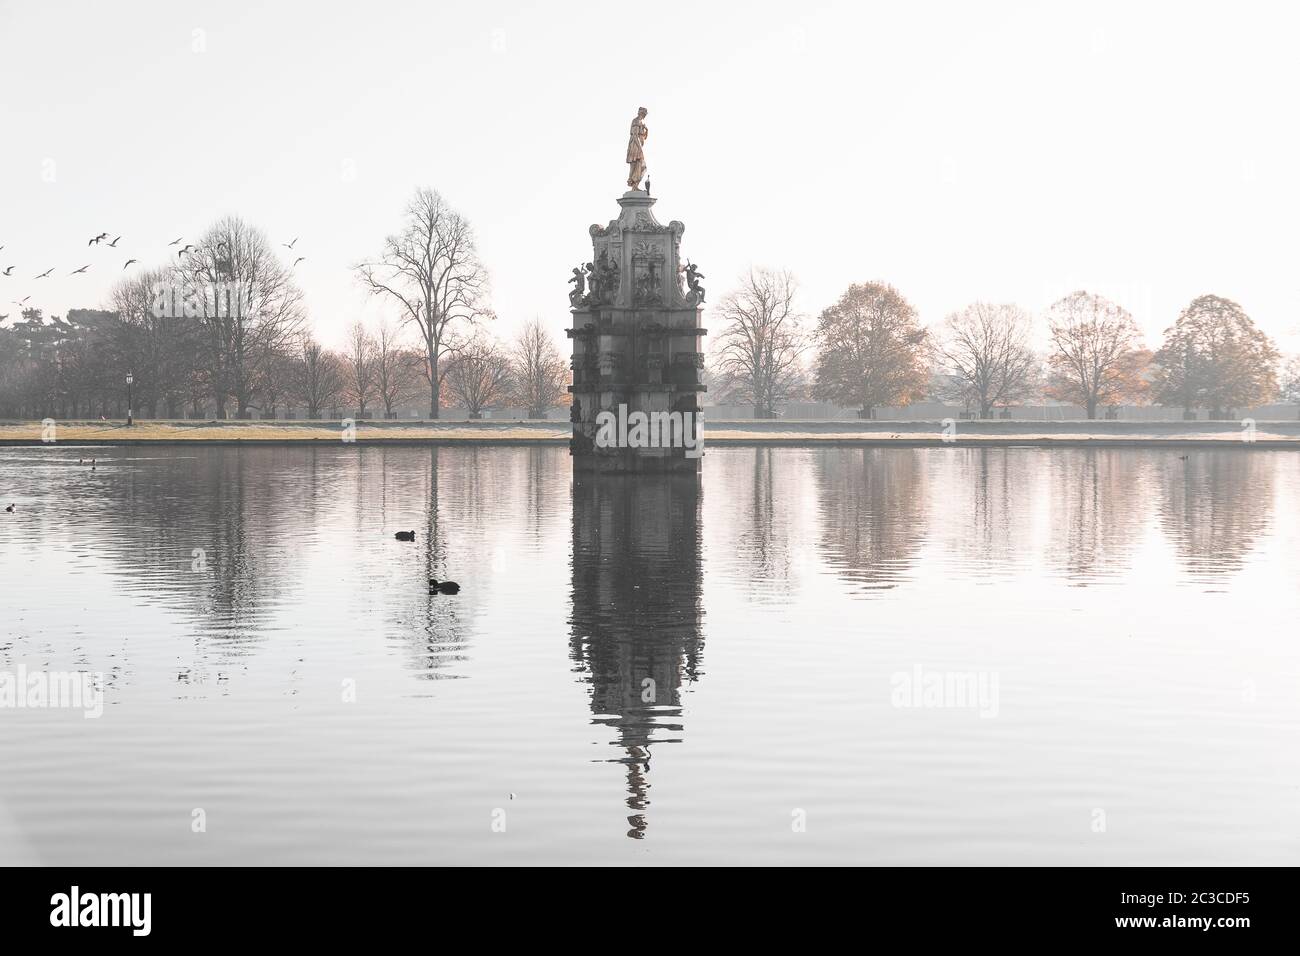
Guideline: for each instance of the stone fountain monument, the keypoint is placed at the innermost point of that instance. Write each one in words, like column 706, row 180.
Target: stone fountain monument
column 637, row 339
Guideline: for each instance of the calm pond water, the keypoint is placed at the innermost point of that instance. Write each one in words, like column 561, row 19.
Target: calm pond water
column 643, row 671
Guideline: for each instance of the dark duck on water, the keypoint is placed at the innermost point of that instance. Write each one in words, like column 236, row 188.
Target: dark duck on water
column 405, row 536
column 443, row 587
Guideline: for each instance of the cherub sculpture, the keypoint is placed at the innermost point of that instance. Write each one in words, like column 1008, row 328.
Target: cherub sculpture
column 695, row 293
column 579, row 282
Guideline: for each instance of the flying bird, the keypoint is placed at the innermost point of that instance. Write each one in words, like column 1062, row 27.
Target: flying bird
column 24, row 302
column 129, row 262
column 75, row 271
column 9, row 270
column 175, row 241
column 113, row 244
column 98, row 239
column 45, row 273
column 298, row 260
column 185, row 250
column 287, row 245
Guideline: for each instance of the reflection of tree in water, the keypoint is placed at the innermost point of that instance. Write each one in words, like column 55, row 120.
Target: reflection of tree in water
column 547, row 478
column 226, row 503
column 982, row 509
column 872, row 507
column 636, row 624
column 462, row 503
column 1098, row 501
column 1215, row 505
column 750, row 520
column 431, row 625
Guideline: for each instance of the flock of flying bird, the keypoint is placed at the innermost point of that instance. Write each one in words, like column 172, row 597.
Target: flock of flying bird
column 100, row 240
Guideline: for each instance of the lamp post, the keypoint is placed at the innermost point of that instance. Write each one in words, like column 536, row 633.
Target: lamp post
column 130, row 379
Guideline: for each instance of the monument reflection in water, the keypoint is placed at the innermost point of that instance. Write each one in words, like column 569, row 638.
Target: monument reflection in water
column 637, row 612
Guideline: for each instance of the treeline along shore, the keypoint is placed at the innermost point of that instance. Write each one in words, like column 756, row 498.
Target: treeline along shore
column 1263, row 434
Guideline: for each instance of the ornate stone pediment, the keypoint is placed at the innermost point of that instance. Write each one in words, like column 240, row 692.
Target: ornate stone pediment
column 646, row 222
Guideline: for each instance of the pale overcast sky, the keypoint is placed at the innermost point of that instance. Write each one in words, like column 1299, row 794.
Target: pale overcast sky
column 1004, row 151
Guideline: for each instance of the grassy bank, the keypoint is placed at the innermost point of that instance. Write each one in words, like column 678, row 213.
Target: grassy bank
column 117, row 432
column 995, row 433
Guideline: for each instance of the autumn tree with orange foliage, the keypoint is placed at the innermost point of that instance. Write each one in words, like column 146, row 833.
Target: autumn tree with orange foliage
column 871, row 350
column 1097, row 354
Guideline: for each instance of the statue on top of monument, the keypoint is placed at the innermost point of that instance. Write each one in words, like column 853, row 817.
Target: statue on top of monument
column 635, row 149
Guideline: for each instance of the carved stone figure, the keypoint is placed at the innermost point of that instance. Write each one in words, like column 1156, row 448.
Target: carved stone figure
column 579, row 281
column 695, row 295
column 609, row 278
column 647, row 287
column 635, row 149
column 593, row 282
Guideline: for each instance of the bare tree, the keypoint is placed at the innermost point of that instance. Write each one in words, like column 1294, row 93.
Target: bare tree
column 757, row 360
column 538, row 370
column 278, row 383
column 395, row 366
column 160, row 350
column 1291, row 380
column 871, row 349
column 320, row 377
column 251, row 309
column 360, row 361
column 984, row 350
column 431, row 266
column 478, row 375
column 1093, row 340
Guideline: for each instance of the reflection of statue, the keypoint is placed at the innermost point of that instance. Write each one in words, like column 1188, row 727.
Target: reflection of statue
column 579, row 282
column 635, row 150
column 637, row 621
column 695, row 295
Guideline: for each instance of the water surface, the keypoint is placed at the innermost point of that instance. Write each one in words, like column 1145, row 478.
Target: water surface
column 651, row 670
